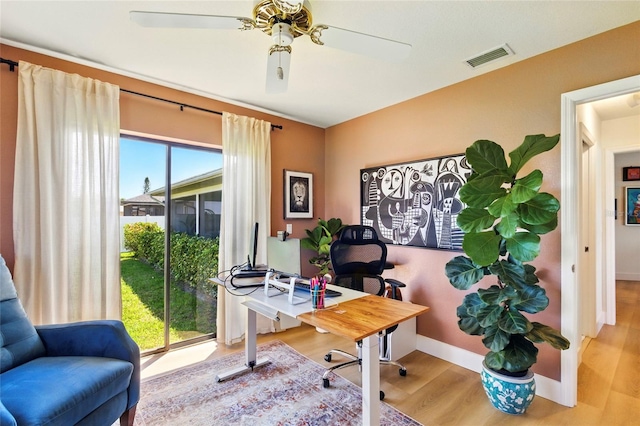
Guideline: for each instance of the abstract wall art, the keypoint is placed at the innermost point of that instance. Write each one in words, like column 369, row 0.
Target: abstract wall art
column 415, row 203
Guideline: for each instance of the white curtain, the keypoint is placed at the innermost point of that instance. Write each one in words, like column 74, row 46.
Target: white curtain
column 66, row 206
column 246, row 194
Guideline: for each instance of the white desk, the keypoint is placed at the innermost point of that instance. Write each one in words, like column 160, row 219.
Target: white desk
column 272, row 307
column 358, row 316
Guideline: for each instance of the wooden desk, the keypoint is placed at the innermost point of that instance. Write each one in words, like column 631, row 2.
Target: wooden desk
column 357, row 316
column 360, row 320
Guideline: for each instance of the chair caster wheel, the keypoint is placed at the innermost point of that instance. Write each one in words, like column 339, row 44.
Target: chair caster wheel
column 327, row 357
column 381, row 395
column 403, row 372
column 325, row 383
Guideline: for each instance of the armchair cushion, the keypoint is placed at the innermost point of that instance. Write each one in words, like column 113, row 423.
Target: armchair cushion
column 103, row 338
column 74, row 386
column 19, row 341
column 6, row 419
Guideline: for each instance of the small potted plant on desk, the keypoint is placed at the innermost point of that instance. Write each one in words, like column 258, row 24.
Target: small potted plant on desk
column 502, row 221
column 319, row 239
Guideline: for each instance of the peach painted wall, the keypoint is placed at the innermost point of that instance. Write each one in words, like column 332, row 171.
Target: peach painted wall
column 503, row 106
column 159, row 118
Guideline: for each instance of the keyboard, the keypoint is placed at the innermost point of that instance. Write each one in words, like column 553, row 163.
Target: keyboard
column 328, row 292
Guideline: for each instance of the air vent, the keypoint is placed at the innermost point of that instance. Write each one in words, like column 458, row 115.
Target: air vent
column 490, row 56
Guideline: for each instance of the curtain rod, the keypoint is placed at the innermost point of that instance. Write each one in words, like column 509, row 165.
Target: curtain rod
column 13, row 65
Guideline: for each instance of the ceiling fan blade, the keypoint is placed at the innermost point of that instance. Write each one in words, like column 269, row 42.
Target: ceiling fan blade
column 360, row 43
column 182, row 20
column 278, row 66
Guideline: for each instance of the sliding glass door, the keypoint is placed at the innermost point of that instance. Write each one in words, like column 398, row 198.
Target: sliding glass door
column 195, row 197
column 170, row 220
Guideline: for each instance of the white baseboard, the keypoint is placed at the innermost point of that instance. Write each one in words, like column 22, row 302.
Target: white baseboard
column 545, row 387
column 627, row 276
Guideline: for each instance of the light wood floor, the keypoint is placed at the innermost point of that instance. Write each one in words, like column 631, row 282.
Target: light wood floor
column 436, row 392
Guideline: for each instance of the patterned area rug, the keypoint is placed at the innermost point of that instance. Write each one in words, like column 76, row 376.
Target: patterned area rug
column 287, row 391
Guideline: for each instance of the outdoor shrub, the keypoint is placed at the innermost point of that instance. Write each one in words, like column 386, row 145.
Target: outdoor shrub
column 140, row 236
column 193, row 259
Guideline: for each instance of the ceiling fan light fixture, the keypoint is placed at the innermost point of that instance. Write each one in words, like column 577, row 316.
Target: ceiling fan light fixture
column 281, row 34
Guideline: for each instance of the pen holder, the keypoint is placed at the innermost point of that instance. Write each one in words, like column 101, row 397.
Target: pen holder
column 317, row 298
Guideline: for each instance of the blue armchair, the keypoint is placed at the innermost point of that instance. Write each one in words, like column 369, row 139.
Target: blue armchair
column 85, row 373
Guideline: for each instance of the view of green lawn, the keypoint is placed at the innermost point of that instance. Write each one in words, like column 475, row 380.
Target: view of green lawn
column 143, row 306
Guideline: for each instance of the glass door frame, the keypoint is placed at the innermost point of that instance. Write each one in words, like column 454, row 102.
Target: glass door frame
column 169, row 145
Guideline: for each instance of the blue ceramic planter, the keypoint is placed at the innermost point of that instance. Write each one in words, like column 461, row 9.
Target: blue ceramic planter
column 511, row 395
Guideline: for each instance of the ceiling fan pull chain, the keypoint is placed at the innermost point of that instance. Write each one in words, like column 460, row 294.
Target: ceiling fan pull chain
column 279, row 71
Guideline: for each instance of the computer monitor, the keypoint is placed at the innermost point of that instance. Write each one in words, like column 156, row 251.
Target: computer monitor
column 251, row 258
column 243, row 276
column 284, row 256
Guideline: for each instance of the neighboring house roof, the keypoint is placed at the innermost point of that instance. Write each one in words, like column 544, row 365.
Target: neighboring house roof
column 145, row 199
column 196, row 183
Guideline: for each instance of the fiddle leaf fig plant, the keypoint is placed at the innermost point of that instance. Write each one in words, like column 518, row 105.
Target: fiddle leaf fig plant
column 505, row 215
column 319, row 239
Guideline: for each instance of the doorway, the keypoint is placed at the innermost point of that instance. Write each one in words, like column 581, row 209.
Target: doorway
column 572, row 266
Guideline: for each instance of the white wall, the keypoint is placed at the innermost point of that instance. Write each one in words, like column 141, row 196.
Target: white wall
column 627, row 237
column 622, row 136
column 591, row 309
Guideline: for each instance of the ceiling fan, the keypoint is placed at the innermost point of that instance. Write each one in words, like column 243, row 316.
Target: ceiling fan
column 283, row 20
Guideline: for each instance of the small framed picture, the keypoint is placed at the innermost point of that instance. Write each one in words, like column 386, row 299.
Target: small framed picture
column 632, row 206
column 298, row 195
column 631, row 173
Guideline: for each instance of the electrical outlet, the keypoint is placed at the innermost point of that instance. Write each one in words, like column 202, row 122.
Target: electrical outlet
column 289, row 228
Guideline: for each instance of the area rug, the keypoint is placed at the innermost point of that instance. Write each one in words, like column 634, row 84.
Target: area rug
column 287, row 391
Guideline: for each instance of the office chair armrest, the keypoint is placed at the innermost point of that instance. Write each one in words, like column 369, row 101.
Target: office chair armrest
column 395, row 284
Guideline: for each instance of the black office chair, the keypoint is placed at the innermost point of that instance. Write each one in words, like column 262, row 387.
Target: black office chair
column 358, row 258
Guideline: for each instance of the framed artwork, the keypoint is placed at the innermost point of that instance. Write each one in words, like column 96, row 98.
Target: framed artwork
column 415, row 203
column 632, row 206
column 631, row 173
column 298, row 195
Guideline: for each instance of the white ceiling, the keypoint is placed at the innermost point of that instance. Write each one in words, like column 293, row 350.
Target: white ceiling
column 617, row 106
column 327, row 86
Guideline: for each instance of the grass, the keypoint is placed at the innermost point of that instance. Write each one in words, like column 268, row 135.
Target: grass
column 143, row 307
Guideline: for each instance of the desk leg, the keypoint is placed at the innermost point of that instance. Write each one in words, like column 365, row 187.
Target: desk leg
column 250, row 338
column 250, row 350
column 370, row 381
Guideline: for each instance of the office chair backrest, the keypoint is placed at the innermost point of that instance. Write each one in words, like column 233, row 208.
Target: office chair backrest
column 358, row 259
